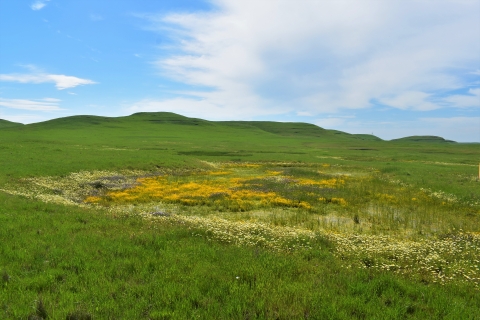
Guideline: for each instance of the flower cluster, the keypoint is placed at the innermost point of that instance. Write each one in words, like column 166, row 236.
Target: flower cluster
column 339, row 201
column 209, row 189
column 452, row 257
column 440, row 195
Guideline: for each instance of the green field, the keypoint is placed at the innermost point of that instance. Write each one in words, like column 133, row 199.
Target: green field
column 160, row 216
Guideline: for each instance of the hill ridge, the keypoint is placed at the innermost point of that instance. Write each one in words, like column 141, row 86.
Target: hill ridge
column 435, row 139
column 272, row 127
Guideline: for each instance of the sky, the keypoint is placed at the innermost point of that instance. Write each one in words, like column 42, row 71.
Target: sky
column 393, row 68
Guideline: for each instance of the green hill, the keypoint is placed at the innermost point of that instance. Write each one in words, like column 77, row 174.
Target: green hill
column 163, row 121
column 9, row 124
column 282, row 128
column 75, row 122
column 433, row 139
column 299, row 129
column 141, row 119
column 166, row 118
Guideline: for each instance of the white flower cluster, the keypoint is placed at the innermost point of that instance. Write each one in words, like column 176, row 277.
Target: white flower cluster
column 440, row 195
column 454, row 257
column 245, row 233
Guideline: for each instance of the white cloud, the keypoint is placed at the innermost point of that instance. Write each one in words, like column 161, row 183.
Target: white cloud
column 45, row 104
column 38, row 5
column 323, row 56
column 466, row 101
column 413, row 100
column 61, row 81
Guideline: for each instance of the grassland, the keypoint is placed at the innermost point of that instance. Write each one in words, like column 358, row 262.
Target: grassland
column 160, row 216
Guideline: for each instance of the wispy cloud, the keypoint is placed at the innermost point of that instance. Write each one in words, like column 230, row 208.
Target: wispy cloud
column 45, row 104
column 61, row 81
column 38, row 5
column 411, row 100
column 472, row 99
column 316, row 57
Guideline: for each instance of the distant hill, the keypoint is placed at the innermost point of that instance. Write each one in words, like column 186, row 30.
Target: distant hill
column 431, row 139
column 166, row 117
column 281, row 128
column 75, row 122
column 159, row 118
column 138, row 120
column 145, row 117
column 298, row 129
column 9, row 124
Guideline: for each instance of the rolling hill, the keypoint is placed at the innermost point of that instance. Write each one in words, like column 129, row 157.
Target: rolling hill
column 286, row 129
column 428, row 139
column 9, row 124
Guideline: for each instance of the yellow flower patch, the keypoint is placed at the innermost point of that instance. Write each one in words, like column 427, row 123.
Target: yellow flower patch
column 326, row 183
column 339, row 201
column 273, row 173
column 220, row 192
column 214, row 189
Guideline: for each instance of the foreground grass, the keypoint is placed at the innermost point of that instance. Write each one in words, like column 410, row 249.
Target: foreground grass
column 76, row 262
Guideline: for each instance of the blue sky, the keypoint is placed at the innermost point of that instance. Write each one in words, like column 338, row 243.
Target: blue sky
column 392, row 68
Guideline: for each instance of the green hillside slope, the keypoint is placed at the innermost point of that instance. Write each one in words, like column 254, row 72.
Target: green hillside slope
column 299, row 129
column 433, row 139
column 286, row 129
column 9, row 124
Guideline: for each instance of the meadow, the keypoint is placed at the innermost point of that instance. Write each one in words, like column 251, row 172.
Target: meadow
column 160, row 216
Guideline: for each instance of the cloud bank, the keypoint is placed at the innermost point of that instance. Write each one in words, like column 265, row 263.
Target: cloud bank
column 319, row 57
